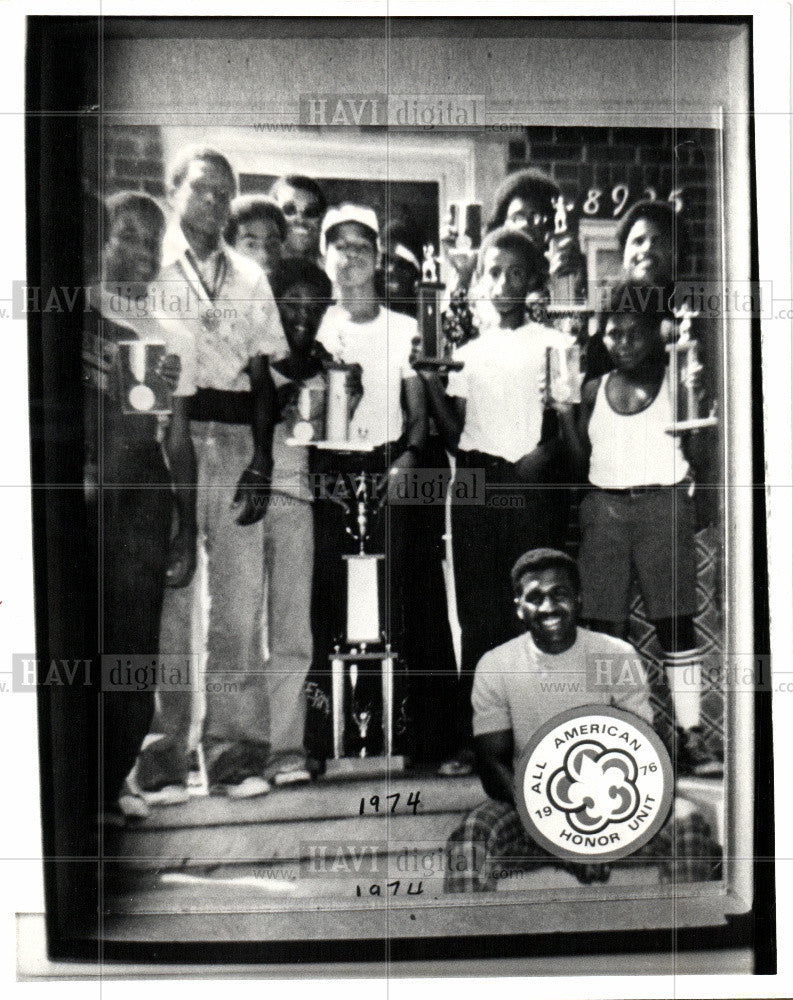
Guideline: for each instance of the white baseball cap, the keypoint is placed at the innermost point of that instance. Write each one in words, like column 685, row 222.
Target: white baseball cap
column 348, row 213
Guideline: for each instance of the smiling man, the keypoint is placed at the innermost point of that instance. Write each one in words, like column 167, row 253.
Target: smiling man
column 226, row 304
column 303, row 203
column 521, row 685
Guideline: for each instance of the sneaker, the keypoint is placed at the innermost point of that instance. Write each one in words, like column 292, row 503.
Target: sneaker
column 459, row 766
column 287, row 769
column 168, row 795
column 299, row 775
column 133, row 806
column 248, row 788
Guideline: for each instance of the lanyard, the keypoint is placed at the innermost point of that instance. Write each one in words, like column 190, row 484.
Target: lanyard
column 212, row 291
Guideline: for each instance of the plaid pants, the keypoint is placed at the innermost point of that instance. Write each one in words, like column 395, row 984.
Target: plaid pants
column 491, row 843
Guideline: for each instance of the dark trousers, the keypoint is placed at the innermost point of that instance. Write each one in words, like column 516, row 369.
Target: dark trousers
column 136, row 525
column 429, row 649
column 487, row 539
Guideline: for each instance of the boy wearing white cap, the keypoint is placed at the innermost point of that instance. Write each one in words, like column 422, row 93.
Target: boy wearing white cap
column 390, row 417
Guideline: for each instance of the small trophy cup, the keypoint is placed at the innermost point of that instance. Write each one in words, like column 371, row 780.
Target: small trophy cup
column 143, row 389
column 464, row 226
column 348, row 669
column 435, row 354
column 563, row 374
column 338, row 397
column 684, row 365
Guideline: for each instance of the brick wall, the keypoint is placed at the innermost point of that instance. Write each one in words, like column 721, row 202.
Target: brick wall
column 580, row 159
column 133, row 159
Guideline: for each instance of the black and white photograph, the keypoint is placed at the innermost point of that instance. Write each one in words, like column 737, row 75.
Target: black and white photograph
column 398, row 437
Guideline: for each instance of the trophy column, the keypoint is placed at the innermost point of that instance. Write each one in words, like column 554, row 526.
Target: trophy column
column 355, row 700
column 362, row 703
column 684, row 671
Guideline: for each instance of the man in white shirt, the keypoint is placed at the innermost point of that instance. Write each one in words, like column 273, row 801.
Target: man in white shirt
column 492, row 416
column 514, row 696
column 226, row 302
column 390, row 417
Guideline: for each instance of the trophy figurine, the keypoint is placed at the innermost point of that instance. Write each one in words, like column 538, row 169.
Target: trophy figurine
column 363, row 630
column 684, row 367
column 361, row 715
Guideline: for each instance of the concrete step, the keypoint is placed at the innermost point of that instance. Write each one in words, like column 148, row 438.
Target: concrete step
column 297, row 822
column 285, row 840
column 323, row 800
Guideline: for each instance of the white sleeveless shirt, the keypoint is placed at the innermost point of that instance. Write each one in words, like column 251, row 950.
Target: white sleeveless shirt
column 634, row 450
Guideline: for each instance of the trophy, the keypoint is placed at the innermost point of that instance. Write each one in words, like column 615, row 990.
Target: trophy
column 684, row 366
column 338, row 407
column 563, row 374
column 464, row 226
column 435, row 352
column 361, row 713
column 353, row 689
column 143, row 389
column 563, row 287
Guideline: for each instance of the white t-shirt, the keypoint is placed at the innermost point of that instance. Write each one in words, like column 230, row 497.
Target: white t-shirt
column 517, row 687
column 382, row 348
column 500, row 382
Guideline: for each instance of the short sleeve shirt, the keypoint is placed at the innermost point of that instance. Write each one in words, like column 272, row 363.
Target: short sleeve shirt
column 241, row 322
column 517, row 687
column 500, row 383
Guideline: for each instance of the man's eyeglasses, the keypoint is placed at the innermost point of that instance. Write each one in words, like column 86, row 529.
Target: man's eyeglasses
column 536, row 598
column 311, row 211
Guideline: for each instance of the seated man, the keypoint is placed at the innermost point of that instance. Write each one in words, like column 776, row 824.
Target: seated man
column 512, row 699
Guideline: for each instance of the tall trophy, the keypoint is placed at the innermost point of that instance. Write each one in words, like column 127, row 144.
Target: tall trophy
column 566, row 311
column 684, row 367
column 362, row 697
column 435, row 351
column 461, row 238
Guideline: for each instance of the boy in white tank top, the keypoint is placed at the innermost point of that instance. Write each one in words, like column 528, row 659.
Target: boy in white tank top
column 638, row 516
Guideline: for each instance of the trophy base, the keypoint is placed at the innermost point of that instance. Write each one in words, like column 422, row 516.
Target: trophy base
column 364, row 767
column 439, row 365
column 691, row 425
column 342, row 445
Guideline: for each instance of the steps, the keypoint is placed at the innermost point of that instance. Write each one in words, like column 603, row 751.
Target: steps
column 301, row 840
column 309, row 846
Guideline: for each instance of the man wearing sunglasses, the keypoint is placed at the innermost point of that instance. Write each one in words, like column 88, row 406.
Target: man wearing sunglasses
column 303, row 203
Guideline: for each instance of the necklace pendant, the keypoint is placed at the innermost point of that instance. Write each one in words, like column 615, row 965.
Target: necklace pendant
column 210, row 322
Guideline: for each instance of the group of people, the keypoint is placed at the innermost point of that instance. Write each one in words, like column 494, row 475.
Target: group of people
column 274, row 290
